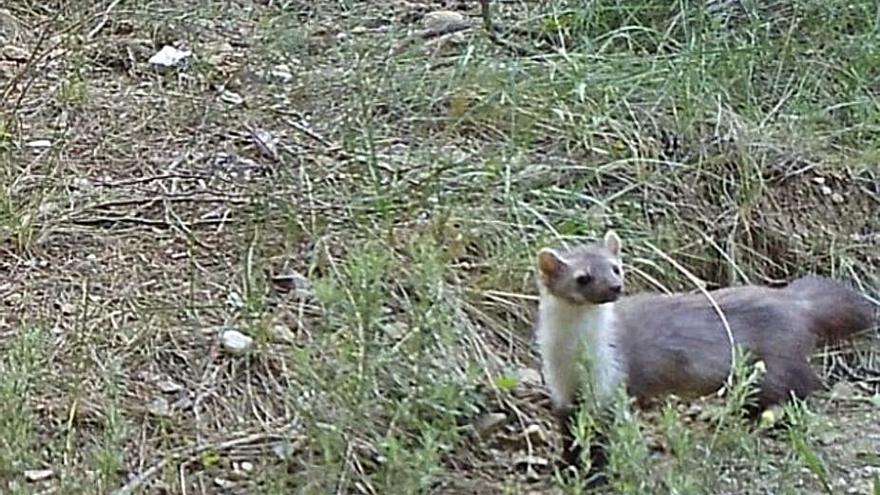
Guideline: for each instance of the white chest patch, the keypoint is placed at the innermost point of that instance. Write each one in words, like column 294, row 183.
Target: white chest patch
column 572, row 337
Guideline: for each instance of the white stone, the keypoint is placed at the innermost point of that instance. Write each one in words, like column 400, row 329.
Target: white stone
column 236, row 342
column 169, row 56
column 34, row 475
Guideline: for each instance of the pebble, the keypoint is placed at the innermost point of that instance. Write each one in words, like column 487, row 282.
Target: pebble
column 170, row 387
column 224, row 483
column 14, row 53
column 35, row 475
column 531, row 460
column 38, row 145
column 159, row 407
column 236, row 342
column 488, row 424
column 295, row 281
column 169, row 56
column 535, row 434
column 441, row 20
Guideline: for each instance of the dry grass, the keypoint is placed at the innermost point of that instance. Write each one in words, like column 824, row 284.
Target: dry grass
column 414, row 178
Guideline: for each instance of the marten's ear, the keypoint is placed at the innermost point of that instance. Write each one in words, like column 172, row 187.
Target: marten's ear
column 612, row 242
column 549, row 263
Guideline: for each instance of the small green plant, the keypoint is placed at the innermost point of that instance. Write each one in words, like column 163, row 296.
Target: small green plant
column 801, row 423
column 627, row 448
column 685, row 474
column 20, row 378
column 108, row 454
column 74, row 91
column 741, row 391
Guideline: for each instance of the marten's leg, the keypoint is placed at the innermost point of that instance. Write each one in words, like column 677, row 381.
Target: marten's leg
column 598, row 460
column 571, row 451
column 780, row 384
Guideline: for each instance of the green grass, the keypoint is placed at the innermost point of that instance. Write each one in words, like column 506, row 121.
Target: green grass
column 412, row 190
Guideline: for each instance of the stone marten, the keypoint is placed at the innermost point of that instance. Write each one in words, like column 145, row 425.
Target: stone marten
column 655, row 344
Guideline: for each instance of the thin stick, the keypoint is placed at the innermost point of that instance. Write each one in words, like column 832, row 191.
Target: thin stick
column 104, row 18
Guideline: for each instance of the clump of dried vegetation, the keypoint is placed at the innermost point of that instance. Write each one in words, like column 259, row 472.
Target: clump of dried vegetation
column 360, row 188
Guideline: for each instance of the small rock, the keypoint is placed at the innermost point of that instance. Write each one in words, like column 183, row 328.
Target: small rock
column 396, row 329
column 34, row 475
column 488, row 424
column 246, row 466
column 47, row 208
column 39, row 145
column 266, row 143
column 81, row 183
column 293, row 280
column 235, row 300
column 530, row 376
column 282, row 333
column 837, row 198
column 224, row 483
column 170, row 387
column 530, row 460
column 532, row 475
column 218, row 52
column 67, row 308
column 819, row 180
column 283, row 450
column 236, row 342
column 14, row 53
column 231, row 97
column 842, row 391
column 535, row 434
column 826, row 190
column 159, row 407
column 182, row 404
column 529, row 379
column 169, row 56
column 442, row 20
column 282, row 73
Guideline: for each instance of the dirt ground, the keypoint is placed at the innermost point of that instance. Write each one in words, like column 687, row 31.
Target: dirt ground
column 358, row 187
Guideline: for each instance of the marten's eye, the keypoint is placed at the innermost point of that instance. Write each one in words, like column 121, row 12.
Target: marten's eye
column 615, row 270
column 583, row 279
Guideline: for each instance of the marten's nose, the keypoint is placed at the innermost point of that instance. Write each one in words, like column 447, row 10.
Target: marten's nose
column 615, row 289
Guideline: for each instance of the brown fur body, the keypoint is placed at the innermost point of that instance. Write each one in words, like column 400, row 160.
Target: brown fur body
column 678, row 344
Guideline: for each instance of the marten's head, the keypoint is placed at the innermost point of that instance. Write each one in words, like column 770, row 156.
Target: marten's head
column 585, row 274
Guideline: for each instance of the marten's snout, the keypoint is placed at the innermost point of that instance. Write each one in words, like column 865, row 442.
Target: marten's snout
column 611, row 293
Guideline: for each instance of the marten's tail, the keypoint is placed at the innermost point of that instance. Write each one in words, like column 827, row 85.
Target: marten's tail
column 837, row 311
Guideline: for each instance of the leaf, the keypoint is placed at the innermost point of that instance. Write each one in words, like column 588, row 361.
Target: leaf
column 813, row 462
column 768, row 418
column 506, row 383
column 210, row 459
